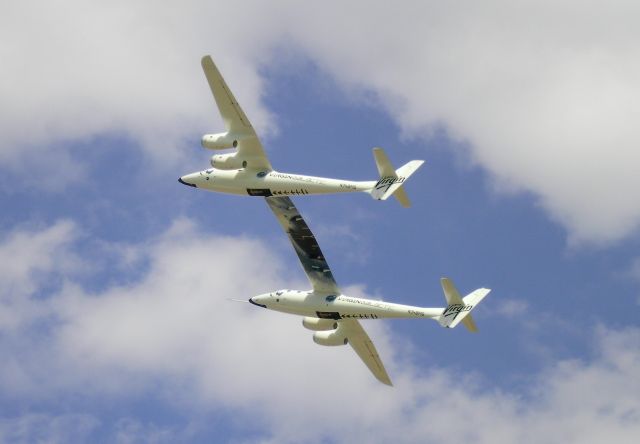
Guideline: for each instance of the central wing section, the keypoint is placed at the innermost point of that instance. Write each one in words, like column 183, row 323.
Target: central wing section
column 305, row 244
column 321, row 278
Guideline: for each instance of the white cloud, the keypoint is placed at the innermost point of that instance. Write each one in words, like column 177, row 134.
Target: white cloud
column 79, row 428
column 27, row 259
column 75, row 71
column 173, row 336
column 23, row 253
column 544, row 98
column 47, row 428
column 512, row 308
column 129, row 431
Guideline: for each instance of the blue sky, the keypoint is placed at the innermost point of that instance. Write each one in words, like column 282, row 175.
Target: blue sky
column 114, row 319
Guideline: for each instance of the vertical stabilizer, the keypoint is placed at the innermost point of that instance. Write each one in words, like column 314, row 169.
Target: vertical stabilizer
column 458, row 308
column 391, row 180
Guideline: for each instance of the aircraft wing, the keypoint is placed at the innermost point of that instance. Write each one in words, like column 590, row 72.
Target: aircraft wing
column 321, row 278
column 234, row 118
column 359, row 340
column 305, row 244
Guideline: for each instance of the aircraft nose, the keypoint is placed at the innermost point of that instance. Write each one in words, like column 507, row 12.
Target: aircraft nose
column 183, row 182
column 251, row 301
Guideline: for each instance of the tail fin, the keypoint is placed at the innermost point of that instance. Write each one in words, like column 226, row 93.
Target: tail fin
column 391, row 180
column 459, row 309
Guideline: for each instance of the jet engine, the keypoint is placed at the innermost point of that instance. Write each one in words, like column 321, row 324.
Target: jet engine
column 333, row 337
column 227, row 162
column 317, row 324
column 220, row 141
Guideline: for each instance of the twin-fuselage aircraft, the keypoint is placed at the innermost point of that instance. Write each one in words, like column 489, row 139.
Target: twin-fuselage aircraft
column 333, row 316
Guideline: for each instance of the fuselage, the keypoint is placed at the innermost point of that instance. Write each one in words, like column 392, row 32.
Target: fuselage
column 270, row 183
column 308, row 303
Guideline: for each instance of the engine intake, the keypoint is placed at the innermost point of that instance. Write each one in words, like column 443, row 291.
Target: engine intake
column 317, row 324
column 330, row 338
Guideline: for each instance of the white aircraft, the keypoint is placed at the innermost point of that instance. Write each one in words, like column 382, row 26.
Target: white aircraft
column 248, row 171
column 334, row 316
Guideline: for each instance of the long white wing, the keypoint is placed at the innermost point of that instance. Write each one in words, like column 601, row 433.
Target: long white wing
column 359, row 340
column 305, row 245
column 234, row 118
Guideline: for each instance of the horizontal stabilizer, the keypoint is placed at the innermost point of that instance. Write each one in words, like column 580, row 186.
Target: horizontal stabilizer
column 458, row 308
column 401, row 196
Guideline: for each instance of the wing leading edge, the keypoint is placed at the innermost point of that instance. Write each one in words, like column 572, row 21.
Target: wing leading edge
column 321, row 278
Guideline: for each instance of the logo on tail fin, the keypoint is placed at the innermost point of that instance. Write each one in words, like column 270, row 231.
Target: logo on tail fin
column 455, row 309
column 386, row 182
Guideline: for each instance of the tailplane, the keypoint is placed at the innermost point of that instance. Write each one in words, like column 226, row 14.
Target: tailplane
column 459, row 308
column 391, row 180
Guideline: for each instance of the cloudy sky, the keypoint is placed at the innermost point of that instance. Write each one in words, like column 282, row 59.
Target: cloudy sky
column 114, row 278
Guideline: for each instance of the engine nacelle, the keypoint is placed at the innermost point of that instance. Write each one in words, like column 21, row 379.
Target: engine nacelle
column 220, row 141
column 227, row 162
column 317, row 324
column 330, row 338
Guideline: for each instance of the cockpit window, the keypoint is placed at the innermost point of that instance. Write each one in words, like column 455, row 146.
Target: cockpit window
column 330, row 298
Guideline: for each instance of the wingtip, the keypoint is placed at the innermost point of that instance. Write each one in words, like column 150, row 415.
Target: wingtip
column 383, row 377
column 206, row 60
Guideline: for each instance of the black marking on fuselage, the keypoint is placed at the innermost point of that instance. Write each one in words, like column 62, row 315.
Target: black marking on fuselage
column 262, row 192
column 296, row 192
column 328, row 315
column 256, row 304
